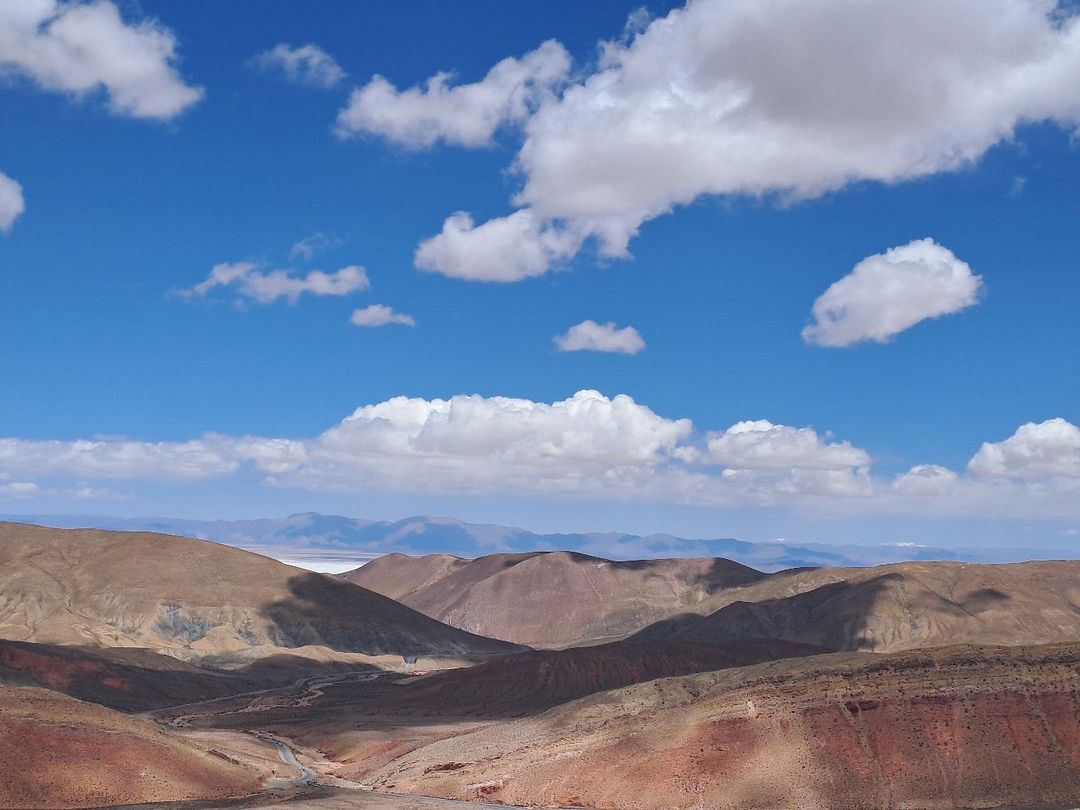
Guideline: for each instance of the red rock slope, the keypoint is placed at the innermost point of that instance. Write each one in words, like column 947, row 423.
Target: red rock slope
column 953, row 727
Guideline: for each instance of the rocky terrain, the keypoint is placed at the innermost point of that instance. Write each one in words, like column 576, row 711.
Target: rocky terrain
column 136, row 679
column 955, row 727
column 196, row 599
column 559, row 599
column 894, row 607
column 916, row 685
column 550, row 599
column 533, row 682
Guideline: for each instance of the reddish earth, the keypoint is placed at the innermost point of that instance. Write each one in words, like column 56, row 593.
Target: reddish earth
column 960, row 727
column 133, row 679
column 516, row 685
column 556, row 599
column 532, row 682
column 550, row 599
column 766, row 721
column 58, row 752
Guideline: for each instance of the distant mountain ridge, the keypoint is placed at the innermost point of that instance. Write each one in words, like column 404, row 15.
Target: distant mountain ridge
column 312, row 536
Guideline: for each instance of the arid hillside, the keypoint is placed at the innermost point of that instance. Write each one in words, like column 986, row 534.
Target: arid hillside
column 558, row 599
column 953, row 727
column 895, row 607
column 196, row 599
column 535, row 681
column 58, row 752
column 550, row 599
column 512, row 686
column 135, row 679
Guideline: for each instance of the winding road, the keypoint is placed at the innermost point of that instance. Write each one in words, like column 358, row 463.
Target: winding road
column 307, row 776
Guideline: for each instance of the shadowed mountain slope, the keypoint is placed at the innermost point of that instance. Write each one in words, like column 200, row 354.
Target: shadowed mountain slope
column 895, row 607
column 58, row 752
column 535, row 681
column 195, row 598
column 555, row 599
column 136, row 679
column 954, row 727
column 550, row 599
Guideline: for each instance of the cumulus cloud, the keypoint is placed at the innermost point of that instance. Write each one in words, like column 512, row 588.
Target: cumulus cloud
column 585, row 446
column 890, row 292
column 790, row 101
column 500, row 250
column 925, row 479
column 380, row 315
column 1034, row 474
column 79, row 48
column 303, row 64
column 12, row 203
column 1034, row 451
column 251, row 283
column 590, row 336
column 463, row 114
column 761, row 445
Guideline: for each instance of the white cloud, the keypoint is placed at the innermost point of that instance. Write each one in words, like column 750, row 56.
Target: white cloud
column 79, row 48
column 925, row 479
column 464, row 114
column 380, row 315
column 12, row 203
column 500, row 250
column 266, row 287
column 591, row 336
column 761, row 445
column 890, row 292
column 303, row 64
column 585, row 447
column 1035, row 451
column 1034, row 474
column 309, row 247
column 790, row 100
column 119, row 458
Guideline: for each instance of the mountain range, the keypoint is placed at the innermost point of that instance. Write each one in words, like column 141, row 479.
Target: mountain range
column 140, row 667
column 337, row 543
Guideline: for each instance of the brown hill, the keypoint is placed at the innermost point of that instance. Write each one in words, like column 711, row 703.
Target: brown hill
column 952, row 727
column 557, row 599
column 550, row 599
column 58, row 752
column 895, row 607
column 195, row 598
column 399, row 576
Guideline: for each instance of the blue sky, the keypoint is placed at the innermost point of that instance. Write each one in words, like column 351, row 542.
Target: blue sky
column 718, row 259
